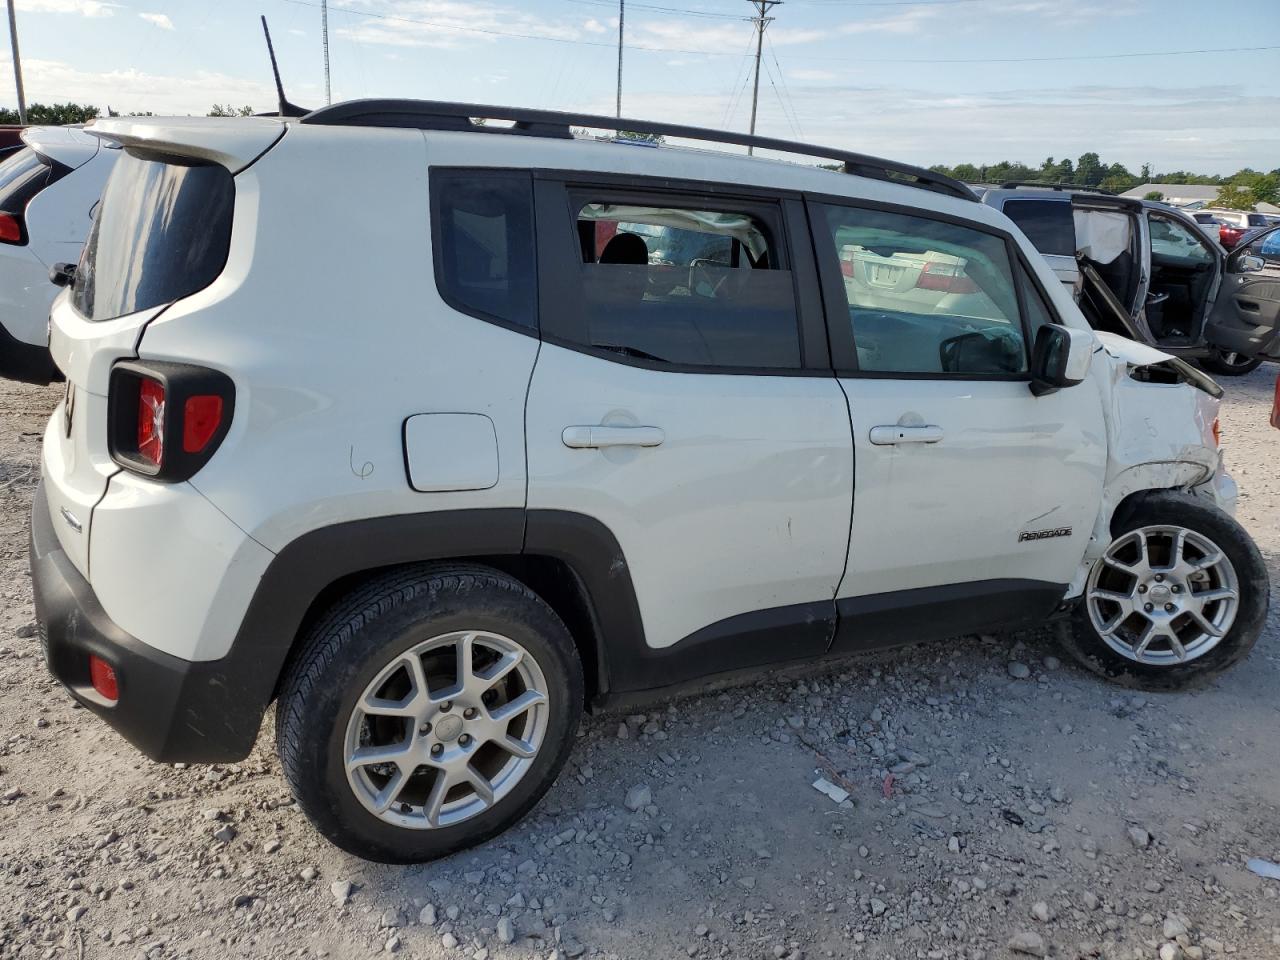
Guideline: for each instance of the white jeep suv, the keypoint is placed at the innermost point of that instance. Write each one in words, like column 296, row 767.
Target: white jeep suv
column 435, row 433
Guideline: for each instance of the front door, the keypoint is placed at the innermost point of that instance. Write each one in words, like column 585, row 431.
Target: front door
column 1246, row 317
column 678, row 403
column 973, row 499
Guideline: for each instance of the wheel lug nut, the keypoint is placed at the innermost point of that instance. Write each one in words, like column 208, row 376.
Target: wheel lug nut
column 469, row 713
column 437, row 749
column 1142, row 588
column 1148, row 607
column 446, row 706
column 1159, row 578
column 424, row 729
column 1170, row 607
column 1176, row 589
column 465, row 739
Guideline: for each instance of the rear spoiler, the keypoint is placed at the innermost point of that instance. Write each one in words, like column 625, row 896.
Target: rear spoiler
column 233, row 143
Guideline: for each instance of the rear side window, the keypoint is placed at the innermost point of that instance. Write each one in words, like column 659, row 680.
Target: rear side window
column 674, row 283
column 162, row 232
column 484, row 245
column 23, row 174
column 1048, row 224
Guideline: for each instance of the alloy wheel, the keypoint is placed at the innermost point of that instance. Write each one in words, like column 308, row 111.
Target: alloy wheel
column 446, row 729
column 1162, row 595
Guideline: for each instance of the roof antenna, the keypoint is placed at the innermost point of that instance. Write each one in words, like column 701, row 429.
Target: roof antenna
column 287, row 109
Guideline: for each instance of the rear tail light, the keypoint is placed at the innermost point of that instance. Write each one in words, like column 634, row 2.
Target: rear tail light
column 1275, row 407
column 103, row 677
column 945, row 278
column 167, row 419
column 1217, row 432
column 11, row 228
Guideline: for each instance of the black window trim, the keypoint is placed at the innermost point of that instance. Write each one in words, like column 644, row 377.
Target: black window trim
column 844, row 354
column 434, row 175
column 559, row 258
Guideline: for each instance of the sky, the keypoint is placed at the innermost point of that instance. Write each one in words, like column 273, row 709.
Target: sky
column 934, row 81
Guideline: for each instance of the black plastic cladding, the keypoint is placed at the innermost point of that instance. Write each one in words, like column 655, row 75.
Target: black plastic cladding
column 443, row 115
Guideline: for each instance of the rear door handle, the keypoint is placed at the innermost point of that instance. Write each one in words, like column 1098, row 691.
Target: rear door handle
column 587, row 437
column 889, row 435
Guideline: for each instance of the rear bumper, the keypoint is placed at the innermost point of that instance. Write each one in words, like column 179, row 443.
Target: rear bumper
column 173, row 710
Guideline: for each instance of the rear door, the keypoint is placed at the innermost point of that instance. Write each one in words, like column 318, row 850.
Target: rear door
column 1246, row 316
column 683, row 401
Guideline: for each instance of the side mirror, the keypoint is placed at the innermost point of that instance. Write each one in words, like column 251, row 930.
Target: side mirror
column 1059, row 358
column 62, row 274
column 1245, row 263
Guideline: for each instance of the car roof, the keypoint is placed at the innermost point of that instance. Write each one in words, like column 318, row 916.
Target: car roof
column 70, row 146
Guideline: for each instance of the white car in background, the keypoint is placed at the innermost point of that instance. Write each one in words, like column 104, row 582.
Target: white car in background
column 48, row 190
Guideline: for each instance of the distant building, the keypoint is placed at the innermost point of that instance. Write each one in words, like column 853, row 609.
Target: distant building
column 1189, row 196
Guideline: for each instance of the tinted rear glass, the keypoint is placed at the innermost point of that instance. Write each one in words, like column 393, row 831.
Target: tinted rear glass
column 162, row 232
column 23, row 174
column 1047, row 223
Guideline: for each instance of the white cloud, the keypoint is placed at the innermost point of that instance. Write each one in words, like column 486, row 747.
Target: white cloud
column 909, row 21
column 86, row 8
column 161, row 20
column 53, row 81
column 445, row 23
column 594, row 26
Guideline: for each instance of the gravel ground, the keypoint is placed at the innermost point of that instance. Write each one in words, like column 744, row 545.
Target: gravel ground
column 999, row 801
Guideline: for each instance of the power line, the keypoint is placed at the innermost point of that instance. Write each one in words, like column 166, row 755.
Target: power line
column 782, row 78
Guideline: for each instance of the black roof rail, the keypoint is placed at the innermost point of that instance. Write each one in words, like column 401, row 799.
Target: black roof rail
column 442, row 115
column 1073, row 187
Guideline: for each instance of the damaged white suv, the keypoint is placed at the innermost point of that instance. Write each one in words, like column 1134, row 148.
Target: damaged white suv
column 437, row 433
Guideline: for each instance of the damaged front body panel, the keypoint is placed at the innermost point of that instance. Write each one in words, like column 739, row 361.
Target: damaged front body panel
column 1161, row 419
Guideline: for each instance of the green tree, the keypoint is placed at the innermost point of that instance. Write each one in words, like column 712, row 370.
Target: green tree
column 1153, row 195
column 1089, row 170
column 640, row 137
column 226, row 110
column 52, row 114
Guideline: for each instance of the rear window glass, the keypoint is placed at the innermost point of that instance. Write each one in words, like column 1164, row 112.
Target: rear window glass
column 1047, row 223
column 484, row 250
column 162, row 232
column 23, row 174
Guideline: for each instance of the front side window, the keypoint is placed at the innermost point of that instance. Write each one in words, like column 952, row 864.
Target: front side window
column 484, row 246
column 1171, row 239
column 927, row 297
column 161, row 232
column 675, row 284
column 1048, row 224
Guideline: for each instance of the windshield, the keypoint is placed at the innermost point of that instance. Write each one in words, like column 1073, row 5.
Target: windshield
column 162, row 232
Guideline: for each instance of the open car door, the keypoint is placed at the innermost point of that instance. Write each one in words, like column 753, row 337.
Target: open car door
column 1246, row 317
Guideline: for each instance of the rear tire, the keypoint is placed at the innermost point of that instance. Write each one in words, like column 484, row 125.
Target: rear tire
column 1157, row 583
column 1228, row 363
column 474, row 734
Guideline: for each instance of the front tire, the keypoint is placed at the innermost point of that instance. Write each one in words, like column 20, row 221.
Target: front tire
column 428, row 711
column 1180, row 595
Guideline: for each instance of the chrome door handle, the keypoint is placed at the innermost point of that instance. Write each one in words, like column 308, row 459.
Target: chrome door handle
column 587, row 437
column 887, row 436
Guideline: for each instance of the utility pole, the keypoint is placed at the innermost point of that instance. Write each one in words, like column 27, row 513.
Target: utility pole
column 762, row 21
column 17, row 65
column 622, row 16
column 324, row 30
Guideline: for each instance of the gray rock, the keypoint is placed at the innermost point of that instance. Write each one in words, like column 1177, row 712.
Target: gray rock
column 309, row 873
column 506, row 930
column 75, row 913
column 1029, row 943
column 427, row 915
column 448, row 941
column 1042, row 911
column 1171, row 951
column 878, row 907
column 391, row 919
column 1139, row 838
column 1174, row 927
column 1018, row 670
column 225, row 834
column 341, row 890
column 638, row 797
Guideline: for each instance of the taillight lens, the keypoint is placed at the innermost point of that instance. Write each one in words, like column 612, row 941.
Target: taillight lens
column 103, row 677
column 1275, row 407
column 151, row 420
column 10, row 228
column 201, row 417
column 945, row 278
column 1217, row 432
column 165, row 420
